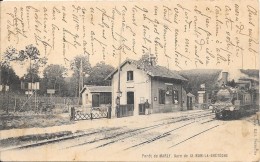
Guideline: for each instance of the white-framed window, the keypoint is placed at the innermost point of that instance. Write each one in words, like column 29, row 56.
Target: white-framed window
column 130, row 75
column 175, row 97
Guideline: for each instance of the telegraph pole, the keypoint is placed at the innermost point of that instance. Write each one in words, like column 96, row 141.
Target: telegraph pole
column 119, row 62
column 1, row 86
column 0, row 66
column 82, row 76
column 118, row 88
column 119, row 93
column 80, row 79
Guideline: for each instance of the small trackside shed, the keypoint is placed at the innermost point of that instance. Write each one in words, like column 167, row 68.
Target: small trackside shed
column 96, row 96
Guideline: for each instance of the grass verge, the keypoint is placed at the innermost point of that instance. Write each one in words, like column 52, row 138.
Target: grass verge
column 17, row 141
column 11, row 122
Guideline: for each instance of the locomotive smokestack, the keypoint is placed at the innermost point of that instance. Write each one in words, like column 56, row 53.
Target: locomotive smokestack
column 224, row 77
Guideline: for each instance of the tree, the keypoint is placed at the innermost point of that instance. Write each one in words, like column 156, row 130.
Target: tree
column 53, row 78
column 32, row 75
column 98, row 74
column 9, row 78
column 10, row 54
column 7, row 73
column 81, row 67
column 32, row 54
column 75, row 64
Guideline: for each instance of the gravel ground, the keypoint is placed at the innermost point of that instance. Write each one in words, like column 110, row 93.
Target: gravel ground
column 181, row 136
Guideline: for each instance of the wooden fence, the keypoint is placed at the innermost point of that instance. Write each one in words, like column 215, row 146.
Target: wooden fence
column 125, row 110
column 14, row 103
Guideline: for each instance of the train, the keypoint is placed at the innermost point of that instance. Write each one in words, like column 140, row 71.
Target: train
column 233, row 103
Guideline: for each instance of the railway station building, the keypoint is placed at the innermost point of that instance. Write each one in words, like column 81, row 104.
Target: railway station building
column 146, row 88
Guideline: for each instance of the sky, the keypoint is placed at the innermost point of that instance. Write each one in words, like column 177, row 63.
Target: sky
column 185, row 35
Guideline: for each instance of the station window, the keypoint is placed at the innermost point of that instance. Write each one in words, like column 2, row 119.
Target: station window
column 86, row 99
column 130, row 75
column 175, row 97
column 105, row 98
column 161, row 96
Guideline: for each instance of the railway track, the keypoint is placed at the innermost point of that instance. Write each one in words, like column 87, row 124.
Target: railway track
column 194, row 136
column 48, row 141
column 186, row 115
column 168, row 133
column 208, row 121
column 114, row 137
column 159, row 136
column 120, row 136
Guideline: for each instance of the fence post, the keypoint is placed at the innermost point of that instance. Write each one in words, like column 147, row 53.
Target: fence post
column 8, row 103
column 14, row 103
column 91, row 117
column 109, row 111
column 72, row 113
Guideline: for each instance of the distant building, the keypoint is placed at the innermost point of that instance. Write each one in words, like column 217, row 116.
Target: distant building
column 96, row 96
column 161, row 87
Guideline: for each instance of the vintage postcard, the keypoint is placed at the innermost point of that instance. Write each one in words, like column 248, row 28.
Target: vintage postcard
column 129, row 80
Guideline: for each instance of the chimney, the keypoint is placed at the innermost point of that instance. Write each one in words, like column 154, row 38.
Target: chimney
column 224, row 77
column 152, row 60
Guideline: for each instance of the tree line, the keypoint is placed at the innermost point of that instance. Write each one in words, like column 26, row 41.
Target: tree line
column 54, row 76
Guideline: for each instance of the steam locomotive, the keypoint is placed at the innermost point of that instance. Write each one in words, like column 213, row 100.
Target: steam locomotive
column 232, row 103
